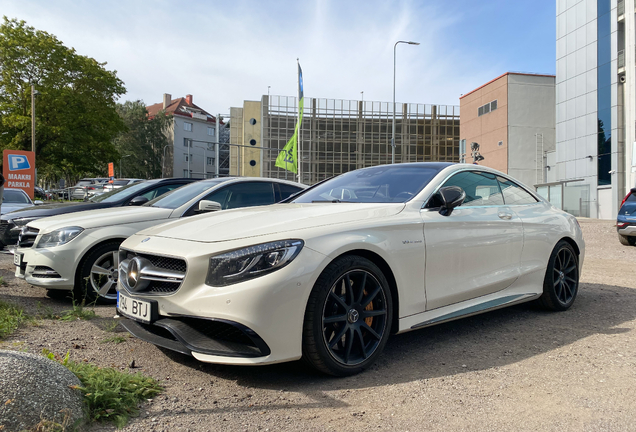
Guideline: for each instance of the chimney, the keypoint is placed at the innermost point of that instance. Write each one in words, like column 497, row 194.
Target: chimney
column 167, row 99
column 189, row 99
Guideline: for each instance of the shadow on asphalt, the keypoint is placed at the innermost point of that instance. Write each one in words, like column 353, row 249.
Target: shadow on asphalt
column 481, row 342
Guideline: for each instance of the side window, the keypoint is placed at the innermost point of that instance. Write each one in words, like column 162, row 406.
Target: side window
column 285, row 191
column 250, row 194
column 239, row 195
column 481, row 189
column 152, row 194
column 515, row 194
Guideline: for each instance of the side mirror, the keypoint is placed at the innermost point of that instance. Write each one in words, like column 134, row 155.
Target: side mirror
column 451, row 197
column 138, row 200
column 38, row 202
column 209, row 206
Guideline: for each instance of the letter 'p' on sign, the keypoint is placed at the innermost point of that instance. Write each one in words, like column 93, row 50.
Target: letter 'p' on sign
column 18, row 168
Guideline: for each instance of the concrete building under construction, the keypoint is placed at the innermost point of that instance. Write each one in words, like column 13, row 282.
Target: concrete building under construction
column 338, row 135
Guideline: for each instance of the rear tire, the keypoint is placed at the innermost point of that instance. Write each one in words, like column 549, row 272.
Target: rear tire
column 561, row 282
column 96, row 277
column 348, row 317
column 627, row 240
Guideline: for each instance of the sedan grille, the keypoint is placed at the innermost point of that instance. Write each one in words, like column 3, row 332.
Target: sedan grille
column 27, row 237
column 157, row 274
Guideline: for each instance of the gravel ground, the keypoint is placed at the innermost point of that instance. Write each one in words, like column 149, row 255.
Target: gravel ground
column 519, row 368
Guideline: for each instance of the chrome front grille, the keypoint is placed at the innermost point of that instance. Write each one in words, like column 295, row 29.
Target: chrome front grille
column 150, row 274
column 27, row 237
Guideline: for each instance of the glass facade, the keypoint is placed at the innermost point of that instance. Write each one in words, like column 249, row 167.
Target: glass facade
column 342, row 135
column 604, row 92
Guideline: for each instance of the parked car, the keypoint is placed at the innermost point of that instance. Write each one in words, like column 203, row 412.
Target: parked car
column 331, row 274
column 39, row 193
column 117, row 183
column 626, row 219
column 137, row 194
column 14, row 199
column 79, row 251
column 87, row 187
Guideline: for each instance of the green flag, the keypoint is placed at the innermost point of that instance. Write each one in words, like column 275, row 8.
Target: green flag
column 288, row 157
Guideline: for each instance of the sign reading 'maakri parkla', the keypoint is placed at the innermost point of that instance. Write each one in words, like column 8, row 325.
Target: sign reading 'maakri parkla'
column 19, row 170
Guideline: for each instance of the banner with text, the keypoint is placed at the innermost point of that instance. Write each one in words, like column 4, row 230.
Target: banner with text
column 18, row 170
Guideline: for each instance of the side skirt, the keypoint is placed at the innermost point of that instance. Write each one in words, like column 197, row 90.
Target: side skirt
column 486, row 306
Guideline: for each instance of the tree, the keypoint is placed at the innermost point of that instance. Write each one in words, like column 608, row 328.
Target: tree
column 145, row 139
column 76, row 117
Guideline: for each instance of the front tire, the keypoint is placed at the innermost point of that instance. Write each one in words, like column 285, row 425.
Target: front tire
column 96, row 278
column 348, row 317
column 561, row 282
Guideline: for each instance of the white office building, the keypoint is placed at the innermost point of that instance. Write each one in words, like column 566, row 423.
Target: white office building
column 593, row 165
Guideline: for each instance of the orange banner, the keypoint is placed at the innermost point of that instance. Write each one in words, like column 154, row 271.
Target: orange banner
column 19, row 170
column 111, row 169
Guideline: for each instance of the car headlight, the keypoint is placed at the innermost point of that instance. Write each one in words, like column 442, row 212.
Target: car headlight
column 251, row 262
column 20, row 222
column 58, row 237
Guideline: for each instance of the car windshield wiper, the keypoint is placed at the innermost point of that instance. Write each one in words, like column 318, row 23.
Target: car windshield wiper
column 331, row 201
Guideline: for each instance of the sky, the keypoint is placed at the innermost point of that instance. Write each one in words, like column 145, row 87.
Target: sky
column 226, row 52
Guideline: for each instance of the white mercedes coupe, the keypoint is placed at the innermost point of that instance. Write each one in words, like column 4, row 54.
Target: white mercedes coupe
column 329, row 274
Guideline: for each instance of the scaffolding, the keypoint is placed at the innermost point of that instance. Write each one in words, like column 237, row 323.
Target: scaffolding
column 342, row 135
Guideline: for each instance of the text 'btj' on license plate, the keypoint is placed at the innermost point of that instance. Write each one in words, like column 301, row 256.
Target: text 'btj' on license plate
column 133, row 308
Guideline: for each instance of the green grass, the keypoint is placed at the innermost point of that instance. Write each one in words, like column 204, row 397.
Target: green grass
column 115, row 339
column 110, row 395
column 11, row 317
column 78, row 311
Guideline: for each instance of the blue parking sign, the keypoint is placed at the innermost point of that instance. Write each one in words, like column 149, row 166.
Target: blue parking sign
column 18, row 162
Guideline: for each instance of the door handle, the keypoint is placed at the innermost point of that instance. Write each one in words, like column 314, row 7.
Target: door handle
column 505, row 216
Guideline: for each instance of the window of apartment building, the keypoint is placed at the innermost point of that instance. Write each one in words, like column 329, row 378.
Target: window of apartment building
column 185, row 157
column 211, row 131
column 186, row 173
column 210, row 161
column 485, row 109
column 187, row 142
column 187, row 126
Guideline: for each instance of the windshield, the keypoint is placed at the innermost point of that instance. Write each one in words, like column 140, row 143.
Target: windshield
column 178, row 197
column 122, row 193
column 15, row 197
column 382, row 184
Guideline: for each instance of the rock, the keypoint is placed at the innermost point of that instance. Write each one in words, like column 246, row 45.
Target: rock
column 34, row 388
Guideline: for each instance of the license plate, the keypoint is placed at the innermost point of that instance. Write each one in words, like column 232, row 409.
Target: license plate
column 141, row 310
column 17, row 259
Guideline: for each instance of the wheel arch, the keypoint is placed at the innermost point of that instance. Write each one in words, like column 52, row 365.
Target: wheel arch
column 572, row 243
column 390, row 277
column 81, row 262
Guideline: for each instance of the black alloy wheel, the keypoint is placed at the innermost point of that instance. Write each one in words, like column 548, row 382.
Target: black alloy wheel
column 348, row 317
column 561, row 282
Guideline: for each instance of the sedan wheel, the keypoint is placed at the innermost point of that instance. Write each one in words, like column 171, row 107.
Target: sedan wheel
column 97, row 275
column 561, row 281
column 348, row 318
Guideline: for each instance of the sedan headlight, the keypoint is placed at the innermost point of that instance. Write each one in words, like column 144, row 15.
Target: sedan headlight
column 58, row 237
column 20, row 222
column 251, row 262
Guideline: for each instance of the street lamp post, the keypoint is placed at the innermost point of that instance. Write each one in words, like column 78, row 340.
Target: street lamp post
column 393, row 125
column 34, row 94
column 120, row 176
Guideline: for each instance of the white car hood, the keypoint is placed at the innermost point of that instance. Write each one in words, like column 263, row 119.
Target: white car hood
column 266, row 220
column 101, row 218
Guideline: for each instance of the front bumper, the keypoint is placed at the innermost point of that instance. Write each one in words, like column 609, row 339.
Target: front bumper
column 209, row 337
column 47, row 268
column 271, row 308
column 9, row 233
